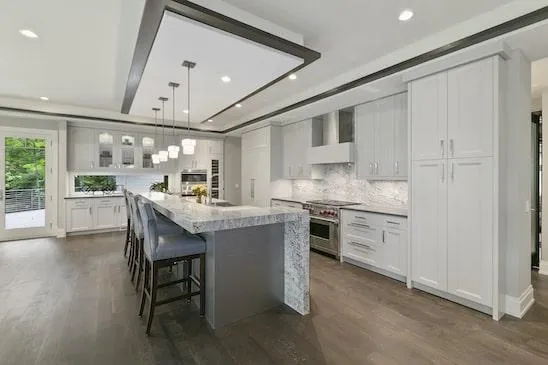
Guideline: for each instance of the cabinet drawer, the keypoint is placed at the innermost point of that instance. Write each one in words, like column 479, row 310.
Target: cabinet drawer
column 360, row 250
column 354, row 217
column 368, row 234
column 395, row 222
column 78, row 202
column 280, row 203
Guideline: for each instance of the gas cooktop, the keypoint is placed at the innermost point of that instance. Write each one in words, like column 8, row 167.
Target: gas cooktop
column 334, row 203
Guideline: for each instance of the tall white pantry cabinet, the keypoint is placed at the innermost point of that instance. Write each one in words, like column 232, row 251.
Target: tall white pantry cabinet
column 454, row 117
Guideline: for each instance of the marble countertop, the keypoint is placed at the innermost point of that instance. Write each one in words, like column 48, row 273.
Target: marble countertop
column 198, row 218
column 381, row 209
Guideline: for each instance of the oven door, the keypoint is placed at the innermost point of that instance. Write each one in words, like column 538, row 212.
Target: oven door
column 324, row 235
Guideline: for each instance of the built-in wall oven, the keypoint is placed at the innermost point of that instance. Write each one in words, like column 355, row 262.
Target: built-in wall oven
column 324, row 225
column 191, row 178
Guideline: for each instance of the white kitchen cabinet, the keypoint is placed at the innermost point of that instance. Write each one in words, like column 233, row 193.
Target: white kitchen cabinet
column 261, row 164
column 79, row 215
column 381, row 139
column 297, row 138
column 81, row 152
column 470, row 229
column 395, row 250
column 105, row 213
column 470, row 118
column 429, row 223
column 89, row 214
column 429, row 117
column 286, row 204
column 375, row 239
column 197, row 161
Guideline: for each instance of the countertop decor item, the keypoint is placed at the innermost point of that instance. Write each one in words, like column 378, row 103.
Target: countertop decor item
column 159, row 187
column 199, row 191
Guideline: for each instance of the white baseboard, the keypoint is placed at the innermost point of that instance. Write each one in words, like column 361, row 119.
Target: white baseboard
column 517, row 307
column 61, row 233
column 543, row 268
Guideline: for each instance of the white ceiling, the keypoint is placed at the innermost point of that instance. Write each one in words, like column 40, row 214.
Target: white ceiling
column 217, row 54
column 82, row 55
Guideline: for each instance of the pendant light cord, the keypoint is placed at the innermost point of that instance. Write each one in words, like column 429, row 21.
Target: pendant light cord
column 188, row 96
column 163, row 122
column 173, row 125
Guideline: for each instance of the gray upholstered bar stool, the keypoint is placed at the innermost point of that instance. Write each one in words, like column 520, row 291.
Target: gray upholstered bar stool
column 163, row 251
column 165, row 227
column 128, row 229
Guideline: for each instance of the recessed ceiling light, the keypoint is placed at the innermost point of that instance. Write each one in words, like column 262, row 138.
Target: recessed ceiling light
column 226, row 79
column 293, row 77
column 210, row 120
column 405, row 15
column 28, row 33
column 45, row 98
column 185, row 111
column 238, row 105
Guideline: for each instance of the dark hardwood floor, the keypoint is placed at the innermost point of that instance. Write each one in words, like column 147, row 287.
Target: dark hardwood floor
column 71, row 302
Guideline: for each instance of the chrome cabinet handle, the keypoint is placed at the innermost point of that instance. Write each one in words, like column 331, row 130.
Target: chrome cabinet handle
column 452, row 171
column 371, row 168
column 359, row 225
column 397, row 167
column 89, row 210
column 442, row 173
column 452, row 147
column 390, row 222
column 361, row 245
column 358, row 217
column 383, row 240
column 376, row 168
column 442, row 146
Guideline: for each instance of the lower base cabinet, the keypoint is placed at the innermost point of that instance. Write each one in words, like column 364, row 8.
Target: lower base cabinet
column 375, row 239
column 89, row 214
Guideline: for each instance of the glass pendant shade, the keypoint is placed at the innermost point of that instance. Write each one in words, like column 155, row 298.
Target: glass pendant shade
column 173, row 153
column 163, row 156
column 188, row 146
column 155, row 159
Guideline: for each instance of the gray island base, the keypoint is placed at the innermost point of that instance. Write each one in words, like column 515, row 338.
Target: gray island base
column 257, row 258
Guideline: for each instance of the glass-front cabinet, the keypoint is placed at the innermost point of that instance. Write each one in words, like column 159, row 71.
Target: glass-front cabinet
column 127, row 151
column 106, row 149
column 147, row 151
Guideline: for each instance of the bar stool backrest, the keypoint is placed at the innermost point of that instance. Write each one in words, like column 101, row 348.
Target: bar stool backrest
column 148, row 222
column 135, row 218
column 128, row 208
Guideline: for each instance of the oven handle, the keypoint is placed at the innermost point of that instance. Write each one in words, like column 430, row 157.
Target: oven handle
column 323, row 220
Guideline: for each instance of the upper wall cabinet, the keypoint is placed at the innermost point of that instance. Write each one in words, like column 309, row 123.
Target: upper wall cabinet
column 381, row 139
column 452, row 113
column 297, row 139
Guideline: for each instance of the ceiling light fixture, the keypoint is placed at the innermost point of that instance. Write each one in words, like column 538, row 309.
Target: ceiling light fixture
column 173, row 149
column 405, row 15
column 163, row 153
column 210, row 120
column 292, row 77
column 188, row 143
column 28, row 33
column 155, row 156
column 226, row 79
column 45, row 98
column 238, row 105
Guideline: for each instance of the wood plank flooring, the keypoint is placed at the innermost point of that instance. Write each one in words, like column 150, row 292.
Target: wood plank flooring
column 71, row 302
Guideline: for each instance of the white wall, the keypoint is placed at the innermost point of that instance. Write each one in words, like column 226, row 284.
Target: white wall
column 519, row 175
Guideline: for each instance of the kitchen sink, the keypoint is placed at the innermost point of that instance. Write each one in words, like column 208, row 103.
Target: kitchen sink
column 222, row 204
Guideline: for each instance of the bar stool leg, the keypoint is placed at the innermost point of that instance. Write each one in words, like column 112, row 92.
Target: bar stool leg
column 136, row 259
column 145, row 287
column 153, row 290
column 140, row 267
column 187, row 274
column 202, row 284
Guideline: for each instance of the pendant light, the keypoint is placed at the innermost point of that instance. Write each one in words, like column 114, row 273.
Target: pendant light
column 188, row 143
column 173, row 149
column 163, row 153
column 155, row 156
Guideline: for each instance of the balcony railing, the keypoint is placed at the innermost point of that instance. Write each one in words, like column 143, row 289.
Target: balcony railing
column 21, row 200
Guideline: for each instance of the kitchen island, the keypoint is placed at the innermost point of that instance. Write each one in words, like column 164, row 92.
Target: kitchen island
column 257, row 258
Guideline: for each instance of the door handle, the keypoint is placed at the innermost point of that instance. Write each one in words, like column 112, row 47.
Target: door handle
column 371, row 168
column 89, row 210
column 452, row 171
column 442, row 147
column 397, row 167
column 452, row 147
column 376, row 168
column 442, row 173
column 383, row 232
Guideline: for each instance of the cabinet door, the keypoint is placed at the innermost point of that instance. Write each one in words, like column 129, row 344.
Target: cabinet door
column 79, row 215
column 122, row 215
column 288, row 153
column 395, row 251
column 105, row 213
column 147, row 149
column 400, row 136
column 127, row 144
column 366, row 115
column 470, row 110
column 470, row 229
column 80, row 147
column 261, row 180
column 247, row 171
column 429, row 117
column 429, row 223
column 104, row 154
column 384, row 138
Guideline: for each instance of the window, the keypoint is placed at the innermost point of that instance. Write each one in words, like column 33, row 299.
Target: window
column 112, row 183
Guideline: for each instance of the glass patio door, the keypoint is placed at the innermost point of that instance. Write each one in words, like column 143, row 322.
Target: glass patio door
column 25, row 178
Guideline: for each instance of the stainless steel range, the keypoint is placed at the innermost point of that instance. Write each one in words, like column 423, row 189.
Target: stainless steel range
column 324, row 224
